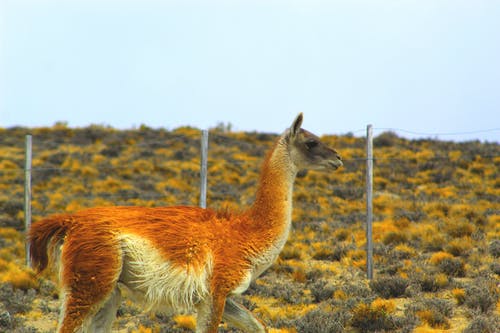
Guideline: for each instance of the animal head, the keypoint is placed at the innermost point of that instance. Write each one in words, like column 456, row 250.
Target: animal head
column 308, row 152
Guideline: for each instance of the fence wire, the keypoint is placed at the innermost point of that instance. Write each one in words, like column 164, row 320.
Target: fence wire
column 358, row 161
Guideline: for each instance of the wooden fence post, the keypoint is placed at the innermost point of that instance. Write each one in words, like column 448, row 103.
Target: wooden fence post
column 27, row 194
column 369, row 202
column 203, row 168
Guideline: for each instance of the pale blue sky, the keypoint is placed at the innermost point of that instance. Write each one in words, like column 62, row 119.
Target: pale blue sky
column 427, row 66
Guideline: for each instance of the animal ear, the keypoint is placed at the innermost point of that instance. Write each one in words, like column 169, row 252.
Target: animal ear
column 297, row 123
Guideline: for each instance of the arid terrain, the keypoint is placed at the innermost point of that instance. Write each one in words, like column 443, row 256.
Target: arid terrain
column 436, row 226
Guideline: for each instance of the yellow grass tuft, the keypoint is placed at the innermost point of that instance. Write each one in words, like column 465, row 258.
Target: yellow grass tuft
column 385, row 305
column 9, row 233
column 299, row 275
column 459, row 295
column 458, row 229
column 405, row 249
column 272, row 309
column 442, row 280
column 143, row 329
column 289, row 311
column 433, row 319
column 19, row 276
column 446, row 192
column 35, row 315
column 4, row 265
column 437, row 257
column 282, row 330
column 372, row 316
column 427, row 329
column 8, row 165
column 459, row 246
column 185, row 321
column 342, row 234
column 340, row 295
column 382, row 228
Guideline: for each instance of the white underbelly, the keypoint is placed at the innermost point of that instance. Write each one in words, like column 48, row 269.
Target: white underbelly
column 158, row 283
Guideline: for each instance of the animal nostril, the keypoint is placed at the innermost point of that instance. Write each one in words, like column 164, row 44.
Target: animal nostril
column 339, row 157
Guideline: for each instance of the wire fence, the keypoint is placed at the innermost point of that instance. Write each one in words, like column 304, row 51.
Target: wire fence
column 354, row 162
column 389, row 164
column 365, row 158
column 429, row 134
column 163, row 144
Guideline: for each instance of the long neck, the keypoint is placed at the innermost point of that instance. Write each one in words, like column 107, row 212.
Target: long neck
column 273, row 202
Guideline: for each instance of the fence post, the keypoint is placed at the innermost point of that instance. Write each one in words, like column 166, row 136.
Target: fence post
column 27, row 193
column 369, row 201
column 203, row 168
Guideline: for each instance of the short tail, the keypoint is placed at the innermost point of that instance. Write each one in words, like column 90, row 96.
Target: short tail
column 45, row 233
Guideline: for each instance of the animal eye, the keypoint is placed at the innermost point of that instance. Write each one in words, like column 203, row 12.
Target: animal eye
column 311, row 144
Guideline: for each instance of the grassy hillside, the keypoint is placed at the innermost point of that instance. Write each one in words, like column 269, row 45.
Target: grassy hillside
column 436, row 230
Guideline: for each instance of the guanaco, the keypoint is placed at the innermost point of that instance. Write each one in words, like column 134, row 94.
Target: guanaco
column 179, row 258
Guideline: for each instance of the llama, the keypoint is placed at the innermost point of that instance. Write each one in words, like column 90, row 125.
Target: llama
column 180, row 258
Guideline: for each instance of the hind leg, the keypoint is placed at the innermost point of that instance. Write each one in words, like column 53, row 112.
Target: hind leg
column 99, row 322
column 89, row 274
column 238, row 316
column 102, row 321
column 76, row 316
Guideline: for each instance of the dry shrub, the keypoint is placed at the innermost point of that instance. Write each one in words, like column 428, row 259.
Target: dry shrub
column 483, row 324
column 433, row 311
column 335, row 254
column 373, row 317
column 448, row 264
column 495, row 267
column 322, row 321
column 16, row 300
column 340, row 295
column 395, row 237
column 342, row 234
column 403, row 251
column 356, row 254
column 459, row 295
column 321, row 291
column 6, row 320
column 459, row 247
column 494, row 248
column 290, row 252
column 324, row 254
column 432, row 242
column 482, row 295
column 430, row 282
column 459, row 229
column 442, row 281
column 299, row 275
column 389, row 286
column 433, row 318
column 453, row 267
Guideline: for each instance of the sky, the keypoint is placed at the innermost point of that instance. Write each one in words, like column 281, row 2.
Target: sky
column 424, row 68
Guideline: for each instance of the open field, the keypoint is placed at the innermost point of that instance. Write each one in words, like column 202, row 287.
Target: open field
column 436, row 229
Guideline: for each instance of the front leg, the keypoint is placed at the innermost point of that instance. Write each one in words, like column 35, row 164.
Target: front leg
column 240, row 317
column 209, row 314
